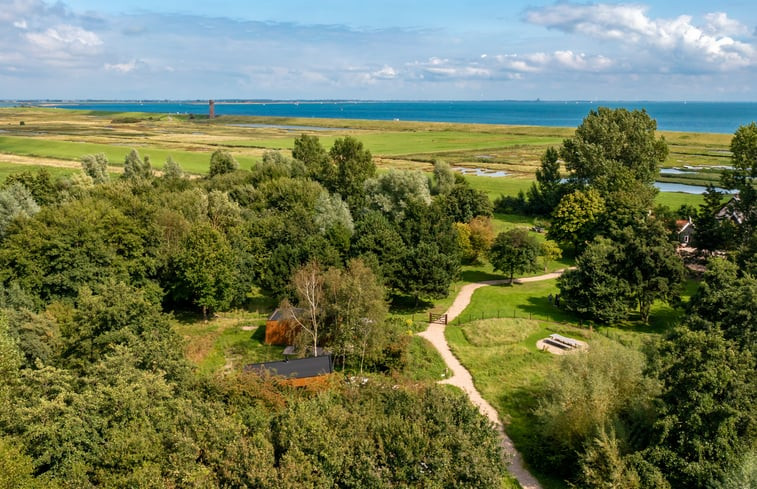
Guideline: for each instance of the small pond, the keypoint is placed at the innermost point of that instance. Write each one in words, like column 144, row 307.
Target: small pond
column 686, row 189
column 480, row 172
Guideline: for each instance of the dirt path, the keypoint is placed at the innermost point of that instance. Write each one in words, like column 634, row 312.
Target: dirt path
column 462, row 378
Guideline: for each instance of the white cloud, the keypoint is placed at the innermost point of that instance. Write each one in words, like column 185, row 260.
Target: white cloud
column 712, row 43
column 122, row 67
column 564, row 60
column 385, row 73
column 64, row 37
column 718, row 24
column 20, row 24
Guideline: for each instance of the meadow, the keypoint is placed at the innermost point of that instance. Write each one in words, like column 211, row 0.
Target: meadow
column 44, row 136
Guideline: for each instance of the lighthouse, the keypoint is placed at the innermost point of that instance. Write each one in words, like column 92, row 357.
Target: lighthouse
column 211, row 109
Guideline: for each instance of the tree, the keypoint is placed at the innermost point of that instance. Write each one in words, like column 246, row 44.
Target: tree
column 221, row 162
column 307, row 283
column 707, row 415
column 172, row 170
column 462, row 203
column 576, row 217
column 444, row 177
column 426, row 271
column 712, row 233
column 44, row 190
column 638, row 266
column 332, row 212
column 514, row 251
column 726, row 301
column 355, row 309
column 376, row 239
column 591, row 392
column 392, row 192
column 610, row 143
column 353, row 166
column 77, row 243
column 16, row 202
column 545, row 194
column 743, row 178
column 649, row 264
column 96, row 166
column 135, row 167
column 550, row 251
column 202, row 271
column 594, row 289
column 481, row 236
column 309, row 151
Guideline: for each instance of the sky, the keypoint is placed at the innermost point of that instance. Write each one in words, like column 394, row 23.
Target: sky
column 380, row 50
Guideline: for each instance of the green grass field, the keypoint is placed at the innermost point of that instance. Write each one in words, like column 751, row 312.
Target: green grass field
column 7, row 169
column 191, row 161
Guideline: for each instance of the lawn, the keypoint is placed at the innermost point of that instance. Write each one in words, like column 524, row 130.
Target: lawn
column 674, row 200
column 525, row 301
column 226, row 342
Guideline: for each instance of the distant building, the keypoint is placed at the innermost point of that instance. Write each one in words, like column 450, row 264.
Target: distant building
column 730, row 211
column 211, row 109
column 685, row 230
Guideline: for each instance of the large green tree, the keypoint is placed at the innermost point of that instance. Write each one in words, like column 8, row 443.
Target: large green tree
column 612, row 143
column 202, row 272
column 707, row 417
column 514, row 251
column 353, row 165
column 594, row 288
column 392, row 192
column 637, row 266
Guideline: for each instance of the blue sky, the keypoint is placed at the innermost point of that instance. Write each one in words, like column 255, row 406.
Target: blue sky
column 406, row 50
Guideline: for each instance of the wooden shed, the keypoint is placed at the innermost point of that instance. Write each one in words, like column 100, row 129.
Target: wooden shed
column 279, row 330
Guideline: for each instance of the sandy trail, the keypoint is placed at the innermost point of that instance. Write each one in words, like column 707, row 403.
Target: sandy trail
column 462, row 378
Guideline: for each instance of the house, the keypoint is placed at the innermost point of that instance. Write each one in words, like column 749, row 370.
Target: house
column 280, row 329
column 296, row 372
column 730, row 211
column 685, row 231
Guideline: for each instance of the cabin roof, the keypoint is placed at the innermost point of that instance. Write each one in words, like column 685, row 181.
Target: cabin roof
column 294, row 369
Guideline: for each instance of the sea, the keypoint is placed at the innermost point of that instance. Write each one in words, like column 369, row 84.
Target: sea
column 708, row 117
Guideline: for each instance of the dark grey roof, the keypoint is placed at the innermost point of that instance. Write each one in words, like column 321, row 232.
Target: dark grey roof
column 294, row 369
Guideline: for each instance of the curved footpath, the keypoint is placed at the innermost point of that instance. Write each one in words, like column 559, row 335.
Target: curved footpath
column 463, row 379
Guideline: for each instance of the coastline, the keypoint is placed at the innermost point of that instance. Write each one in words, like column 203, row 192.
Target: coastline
column 694, row 117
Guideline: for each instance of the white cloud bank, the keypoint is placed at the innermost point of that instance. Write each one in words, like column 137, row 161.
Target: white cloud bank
column 710, row 45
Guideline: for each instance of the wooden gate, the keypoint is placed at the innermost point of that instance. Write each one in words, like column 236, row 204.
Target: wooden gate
column 437, row 318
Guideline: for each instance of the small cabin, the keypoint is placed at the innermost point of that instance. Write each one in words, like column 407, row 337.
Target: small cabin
column 296, row 372
column 279, row 329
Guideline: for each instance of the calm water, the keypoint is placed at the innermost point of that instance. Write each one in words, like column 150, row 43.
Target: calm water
column 717, row 117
